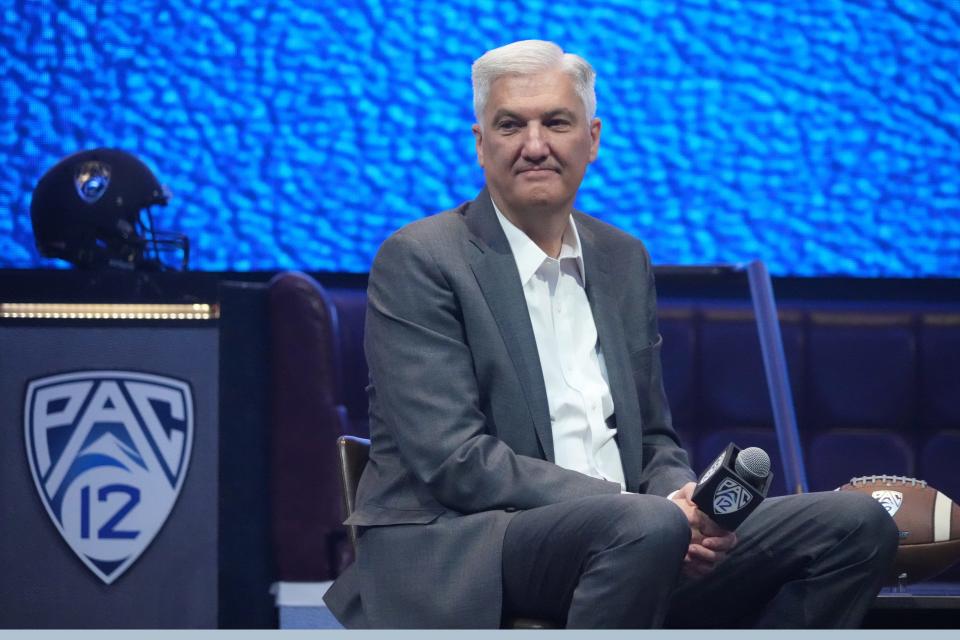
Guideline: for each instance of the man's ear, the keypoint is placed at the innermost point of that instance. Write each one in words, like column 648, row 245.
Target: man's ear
column 594, row 138
column 478, row 136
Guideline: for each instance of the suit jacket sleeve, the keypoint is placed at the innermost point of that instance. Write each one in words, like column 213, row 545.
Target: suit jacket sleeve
column 424, row 384
column 665, row 463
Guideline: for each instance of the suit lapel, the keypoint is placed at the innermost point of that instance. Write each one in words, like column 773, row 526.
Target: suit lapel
column 496, row 271
column 601, row 290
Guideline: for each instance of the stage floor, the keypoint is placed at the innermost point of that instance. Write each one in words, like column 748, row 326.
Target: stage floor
column 929, row 605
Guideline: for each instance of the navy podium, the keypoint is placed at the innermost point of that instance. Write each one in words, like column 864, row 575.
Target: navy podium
column 133, row 454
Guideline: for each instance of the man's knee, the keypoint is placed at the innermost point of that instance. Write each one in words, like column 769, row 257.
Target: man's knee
column 866, row 521
column 651, row 521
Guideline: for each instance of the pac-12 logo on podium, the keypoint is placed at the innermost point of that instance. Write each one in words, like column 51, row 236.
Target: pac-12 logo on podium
column 108, row 451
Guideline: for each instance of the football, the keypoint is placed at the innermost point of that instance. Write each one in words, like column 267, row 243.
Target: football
column 929, row 524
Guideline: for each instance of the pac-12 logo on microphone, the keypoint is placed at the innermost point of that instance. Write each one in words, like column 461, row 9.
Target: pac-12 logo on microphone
column 108, row 451
column 730, row 496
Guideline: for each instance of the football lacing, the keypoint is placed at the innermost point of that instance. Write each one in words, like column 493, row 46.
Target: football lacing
column 887, row 479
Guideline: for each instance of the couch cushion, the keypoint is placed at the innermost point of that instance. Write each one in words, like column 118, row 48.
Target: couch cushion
column 861, row 371
column 678, row 356
column 734, row 384
column 836, row 456
column 940, row 371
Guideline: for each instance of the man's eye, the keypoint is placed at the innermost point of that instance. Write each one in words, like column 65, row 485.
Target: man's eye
column 558, row 123
column 508, row 125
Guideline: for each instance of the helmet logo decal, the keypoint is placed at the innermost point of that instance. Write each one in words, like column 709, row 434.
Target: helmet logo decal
column 108, row 452
column 91, row 180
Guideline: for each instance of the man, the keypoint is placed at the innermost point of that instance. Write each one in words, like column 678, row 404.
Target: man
column 523, row 462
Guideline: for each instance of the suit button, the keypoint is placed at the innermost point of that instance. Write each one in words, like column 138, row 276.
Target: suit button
column 510, row 509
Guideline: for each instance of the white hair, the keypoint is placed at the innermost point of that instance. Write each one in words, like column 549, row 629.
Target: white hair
column 529, row 57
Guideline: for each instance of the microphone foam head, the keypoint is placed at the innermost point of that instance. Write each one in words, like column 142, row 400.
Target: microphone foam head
column 753, row 462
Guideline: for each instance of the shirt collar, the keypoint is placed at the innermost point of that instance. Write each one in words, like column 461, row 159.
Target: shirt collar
column 529, row 256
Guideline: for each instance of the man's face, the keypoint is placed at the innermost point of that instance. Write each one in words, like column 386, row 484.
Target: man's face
column 535, row 143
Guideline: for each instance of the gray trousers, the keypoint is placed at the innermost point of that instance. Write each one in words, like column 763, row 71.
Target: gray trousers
column 805, row 561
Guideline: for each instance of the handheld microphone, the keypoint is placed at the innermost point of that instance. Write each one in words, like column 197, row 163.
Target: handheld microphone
column 734, row 485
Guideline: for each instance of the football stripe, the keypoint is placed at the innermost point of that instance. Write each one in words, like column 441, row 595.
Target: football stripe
column 941, row 518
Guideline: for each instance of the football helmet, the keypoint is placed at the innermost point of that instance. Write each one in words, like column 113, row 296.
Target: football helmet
column 88, row 209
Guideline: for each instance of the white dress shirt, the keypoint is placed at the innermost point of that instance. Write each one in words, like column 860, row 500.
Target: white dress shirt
column 573, row 368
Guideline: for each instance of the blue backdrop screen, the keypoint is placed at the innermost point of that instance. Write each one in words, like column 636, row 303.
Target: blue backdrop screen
column 821, row 136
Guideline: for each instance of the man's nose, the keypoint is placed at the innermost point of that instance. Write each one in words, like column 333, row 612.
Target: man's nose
column 535, row 146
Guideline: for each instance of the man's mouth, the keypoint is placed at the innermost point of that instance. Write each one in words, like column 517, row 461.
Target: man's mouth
column 537, row 170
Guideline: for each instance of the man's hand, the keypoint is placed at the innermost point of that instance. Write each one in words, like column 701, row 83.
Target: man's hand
column 709, row 543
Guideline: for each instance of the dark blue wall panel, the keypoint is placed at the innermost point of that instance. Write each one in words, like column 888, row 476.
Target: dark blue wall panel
column 821, row 136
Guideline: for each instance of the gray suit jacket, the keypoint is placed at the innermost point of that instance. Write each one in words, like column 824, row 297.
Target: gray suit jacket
column 459, row 420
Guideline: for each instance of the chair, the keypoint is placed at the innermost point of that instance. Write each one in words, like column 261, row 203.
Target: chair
column 353, row 453
column 306, row 415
